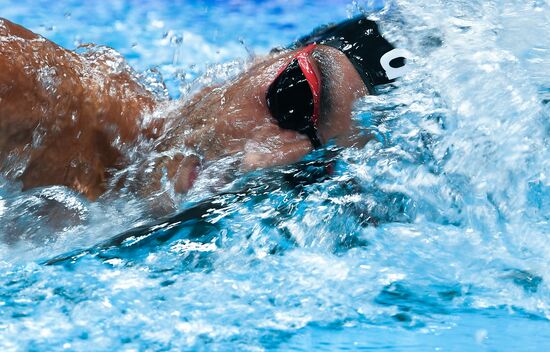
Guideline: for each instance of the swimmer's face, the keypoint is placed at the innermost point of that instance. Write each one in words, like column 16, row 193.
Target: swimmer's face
column 237, row 119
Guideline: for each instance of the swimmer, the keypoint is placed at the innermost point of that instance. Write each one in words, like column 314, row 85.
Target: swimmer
column 69, row 119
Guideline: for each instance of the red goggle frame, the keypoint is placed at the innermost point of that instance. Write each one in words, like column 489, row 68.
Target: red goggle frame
column 294, row 96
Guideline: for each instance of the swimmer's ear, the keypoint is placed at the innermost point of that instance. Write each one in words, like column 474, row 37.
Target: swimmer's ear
column 283, row 148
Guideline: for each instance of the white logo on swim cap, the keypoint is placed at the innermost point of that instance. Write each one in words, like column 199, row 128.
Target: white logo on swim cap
column 394, row 72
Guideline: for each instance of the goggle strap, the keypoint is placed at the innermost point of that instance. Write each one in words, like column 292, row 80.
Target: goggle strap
column 314, row 138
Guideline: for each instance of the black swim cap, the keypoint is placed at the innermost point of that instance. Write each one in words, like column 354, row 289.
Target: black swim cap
column 359, row 39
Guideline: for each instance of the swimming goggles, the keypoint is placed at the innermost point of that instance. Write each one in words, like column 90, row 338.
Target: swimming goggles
column 295, row 95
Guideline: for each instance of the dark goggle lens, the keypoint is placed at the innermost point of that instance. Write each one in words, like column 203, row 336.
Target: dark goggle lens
column 290, row 100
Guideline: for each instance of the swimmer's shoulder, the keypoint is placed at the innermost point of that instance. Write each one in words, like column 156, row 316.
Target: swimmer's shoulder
column 8, row 28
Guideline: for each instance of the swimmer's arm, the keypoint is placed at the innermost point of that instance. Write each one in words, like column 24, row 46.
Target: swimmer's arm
column 41, row 80
column 83, row 106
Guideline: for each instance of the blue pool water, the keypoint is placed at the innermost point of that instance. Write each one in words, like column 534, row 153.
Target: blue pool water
column 434, row 236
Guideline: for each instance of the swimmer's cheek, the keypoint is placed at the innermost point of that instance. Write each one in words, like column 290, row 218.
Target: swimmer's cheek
column 258, row 156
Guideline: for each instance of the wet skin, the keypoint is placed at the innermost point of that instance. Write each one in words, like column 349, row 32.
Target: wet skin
column 66, row 118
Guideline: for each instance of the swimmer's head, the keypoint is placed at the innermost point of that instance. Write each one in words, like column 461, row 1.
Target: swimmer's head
column 294, row 97
column 360, row 40
column 295, row 100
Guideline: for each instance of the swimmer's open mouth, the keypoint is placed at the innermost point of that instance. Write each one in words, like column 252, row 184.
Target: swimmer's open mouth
column 188, row 171
column 193, row 175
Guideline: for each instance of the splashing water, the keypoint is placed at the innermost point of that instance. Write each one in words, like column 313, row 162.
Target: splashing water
column 432, row 236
